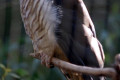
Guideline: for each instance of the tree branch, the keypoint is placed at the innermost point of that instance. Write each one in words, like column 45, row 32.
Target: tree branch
column 114, row 73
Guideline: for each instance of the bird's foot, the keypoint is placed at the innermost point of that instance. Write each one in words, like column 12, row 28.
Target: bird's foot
column 45, row 59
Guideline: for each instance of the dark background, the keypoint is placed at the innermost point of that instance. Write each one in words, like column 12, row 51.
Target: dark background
column 15, row 45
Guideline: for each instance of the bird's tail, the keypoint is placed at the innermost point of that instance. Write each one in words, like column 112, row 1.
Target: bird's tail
column 71, row 75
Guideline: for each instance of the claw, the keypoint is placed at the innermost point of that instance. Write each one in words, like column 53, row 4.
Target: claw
column 48, row 60
column 35, row 55
column 43, row 59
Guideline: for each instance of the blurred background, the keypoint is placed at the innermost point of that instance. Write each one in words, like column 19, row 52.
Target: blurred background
column 15, row 45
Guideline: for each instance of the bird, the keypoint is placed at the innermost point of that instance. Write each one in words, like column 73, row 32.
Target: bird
column 63, row 29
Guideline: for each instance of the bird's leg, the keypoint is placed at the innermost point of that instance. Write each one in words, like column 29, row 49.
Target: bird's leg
column 45, row 58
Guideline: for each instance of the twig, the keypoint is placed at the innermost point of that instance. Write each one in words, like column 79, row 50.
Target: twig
column 108, row 72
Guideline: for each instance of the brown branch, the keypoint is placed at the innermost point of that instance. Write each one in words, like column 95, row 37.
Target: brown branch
column 108, row 72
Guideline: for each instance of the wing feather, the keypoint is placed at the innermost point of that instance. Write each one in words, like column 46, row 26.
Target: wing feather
column 76, row 36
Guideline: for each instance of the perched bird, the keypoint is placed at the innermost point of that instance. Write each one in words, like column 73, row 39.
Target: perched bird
column 62, row 29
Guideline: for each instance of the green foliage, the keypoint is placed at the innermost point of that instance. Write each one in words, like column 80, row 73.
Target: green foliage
column 5, row 71
column 22, row 72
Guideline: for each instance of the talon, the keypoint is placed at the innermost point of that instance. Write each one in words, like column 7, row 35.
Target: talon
column 32, row 54
column 35, row 55
column 43, row 59
column 48, row 62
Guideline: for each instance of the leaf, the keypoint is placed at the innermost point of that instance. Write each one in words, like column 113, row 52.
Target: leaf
column 14, row 75
column 2, row 66
column 8, row 70
column 22, row 72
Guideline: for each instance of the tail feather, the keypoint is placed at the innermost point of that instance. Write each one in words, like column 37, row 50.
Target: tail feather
column 71, row 76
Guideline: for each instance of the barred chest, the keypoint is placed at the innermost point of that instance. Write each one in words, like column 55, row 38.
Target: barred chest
column 40, row 18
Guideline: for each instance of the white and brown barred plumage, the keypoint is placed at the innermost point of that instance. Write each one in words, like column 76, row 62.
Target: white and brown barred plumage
column 63, row 29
